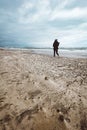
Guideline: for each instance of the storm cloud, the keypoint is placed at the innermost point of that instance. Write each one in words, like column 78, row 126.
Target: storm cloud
column 39, row 22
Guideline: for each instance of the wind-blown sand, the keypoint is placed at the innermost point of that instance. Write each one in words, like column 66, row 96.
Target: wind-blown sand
column 40, row 92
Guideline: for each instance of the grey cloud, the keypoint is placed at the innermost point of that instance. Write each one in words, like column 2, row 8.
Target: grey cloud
column 10, row 5
column 16, row 27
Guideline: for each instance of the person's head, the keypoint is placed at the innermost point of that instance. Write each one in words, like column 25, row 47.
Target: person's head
column 55, row 39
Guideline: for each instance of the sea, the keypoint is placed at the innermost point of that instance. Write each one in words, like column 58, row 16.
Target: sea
column 63, row 52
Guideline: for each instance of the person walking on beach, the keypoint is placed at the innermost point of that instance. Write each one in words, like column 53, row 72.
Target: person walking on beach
column 55, row 47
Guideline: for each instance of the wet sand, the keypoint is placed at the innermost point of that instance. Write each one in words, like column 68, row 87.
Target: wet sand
column 40, row 92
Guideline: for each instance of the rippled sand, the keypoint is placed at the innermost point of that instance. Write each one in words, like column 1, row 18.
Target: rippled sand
column 40, row 92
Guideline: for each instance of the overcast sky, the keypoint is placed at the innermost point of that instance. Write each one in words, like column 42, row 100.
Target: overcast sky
column 39, row 22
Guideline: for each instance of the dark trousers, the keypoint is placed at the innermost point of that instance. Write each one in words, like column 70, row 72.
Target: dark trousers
column 56, row 51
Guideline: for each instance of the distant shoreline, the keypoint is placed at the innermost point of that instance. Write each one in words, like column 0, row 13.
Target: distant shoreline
column 64, row 52
column 65, row 48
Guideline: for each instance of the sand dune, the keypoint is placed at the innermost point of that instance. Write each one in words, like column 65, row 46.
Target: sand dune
column 40, row 92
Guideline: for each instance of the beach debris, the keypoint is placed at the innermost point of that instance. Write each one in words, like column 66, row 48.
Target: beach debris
column 61, row 117
column 46, row 78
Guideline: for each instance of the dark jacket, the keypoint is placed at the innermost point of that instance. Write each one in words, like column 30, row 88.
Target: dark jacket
column 55, row 44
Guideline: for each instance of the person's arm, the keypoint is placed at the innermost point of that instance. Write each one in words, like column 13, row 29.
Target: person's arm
column 58, row 43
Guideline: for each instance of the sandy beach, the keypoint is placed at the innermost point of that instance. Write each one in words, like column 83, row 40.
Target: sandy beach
column 42, row 92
